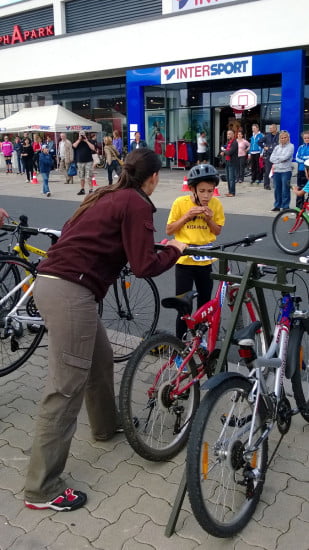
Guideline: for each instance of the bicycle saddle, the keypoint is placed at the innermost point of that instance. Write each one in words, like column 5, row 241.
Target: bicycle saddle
column 246, row 333
column 182, row 303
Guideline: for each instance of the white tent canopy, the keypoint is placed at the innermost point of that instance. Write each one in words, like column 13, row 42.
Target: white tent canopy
column 52, row 118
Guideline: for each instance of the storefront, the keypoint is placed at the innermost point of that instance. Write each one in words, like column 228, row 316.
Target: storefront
column 170, row 105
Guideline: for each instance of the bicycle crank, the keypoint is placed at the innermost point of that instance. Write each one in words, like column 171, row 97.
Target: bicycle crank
column 284, row 415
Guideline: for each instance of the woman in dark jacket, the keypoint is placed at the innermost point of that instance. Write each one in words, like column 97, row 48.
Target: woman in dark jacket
column 231, row 159
column 113, row 226
column 27, row 156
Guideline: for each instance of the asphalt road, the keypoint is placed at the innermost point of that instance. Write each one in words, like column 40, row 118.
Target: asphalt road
column 42, row 213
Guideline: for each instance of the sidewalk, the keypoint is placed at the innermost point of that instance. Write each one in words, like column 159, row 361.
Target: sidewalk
column 250, row 199
column 130, row 499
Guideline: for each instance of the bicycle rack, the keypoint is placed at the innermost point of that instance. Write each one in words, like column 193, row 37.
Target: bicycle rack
column 249, row 279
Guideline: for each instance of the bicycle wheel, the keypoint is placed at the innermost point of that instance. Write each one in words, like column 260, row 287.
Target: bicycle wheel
column 130, row 313
column 157, row 425
column 224, row 485
column 298, row 355
column 289, row 236
column 19, row 337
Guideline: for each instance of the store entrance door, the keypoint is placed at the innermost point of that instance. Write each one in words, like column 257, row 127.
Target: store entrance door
column 224, row 119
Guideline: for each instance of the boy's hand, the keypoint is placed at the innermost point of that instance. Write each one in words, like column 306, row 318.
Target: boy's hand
column 195, row 211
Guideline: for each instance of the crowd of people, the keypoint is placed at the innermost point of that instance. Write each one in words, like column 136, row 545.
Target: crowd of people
column 267, row 157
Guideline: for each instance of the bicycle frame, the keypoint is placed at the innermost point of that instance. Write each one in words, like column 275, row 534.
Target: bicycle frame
column 275, row 359
column 209, row 317
column 302, row 213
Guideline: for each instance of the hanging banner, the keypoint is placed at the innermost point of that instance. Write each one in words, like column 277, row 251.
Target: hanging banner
column 184, row 5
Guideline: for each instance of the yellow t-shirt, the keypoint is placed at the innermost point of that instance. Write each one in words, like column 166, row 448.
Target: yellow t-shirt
column 195, row 232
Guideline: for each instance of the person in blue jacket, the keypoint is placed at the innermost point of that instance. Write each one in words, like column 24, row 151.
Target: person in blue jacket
column 46, row 164
column 254, row 154
column 301, row 156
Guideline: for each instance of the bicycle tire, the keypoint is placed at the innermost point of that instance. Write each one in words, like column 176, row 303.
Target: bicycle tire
column 17, row 347
column 216, row 466
column 292, row 243
column 298, row 355
column 131, row 311
column 149, row 415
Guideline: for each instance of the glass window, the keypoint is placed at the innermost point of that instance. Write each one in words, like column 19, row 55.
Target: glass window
column 154, row 98
column 270, row 114
column 271, row 95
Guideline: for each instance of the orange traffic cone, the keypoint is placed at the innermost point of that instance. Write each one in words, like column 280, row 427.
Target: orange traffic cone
column 34, row 178
column 216, row 192
column 185, row 186
column 94, row 181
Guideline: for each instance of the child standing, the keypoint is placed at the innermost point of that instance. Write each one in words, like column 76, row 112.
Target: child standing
column 196, row 220
column 46, row 164
column 7, row 150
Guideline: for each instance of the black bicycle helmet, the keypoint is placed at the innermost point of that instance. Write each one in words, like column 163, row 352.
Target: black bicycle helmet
column 203, row 172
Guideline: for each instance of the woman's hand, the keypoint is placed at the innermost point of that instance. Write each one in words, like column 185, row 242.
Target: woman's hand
column 177, row 244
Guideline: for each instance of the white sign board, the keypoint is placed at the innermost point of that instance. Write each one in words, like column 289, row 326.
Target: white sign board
column 178, row 6
column 207, row 70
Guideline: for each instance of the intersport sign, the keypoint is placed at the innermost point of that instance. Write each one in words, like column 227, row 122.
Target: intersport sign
column 207, row 70
column 183, row 5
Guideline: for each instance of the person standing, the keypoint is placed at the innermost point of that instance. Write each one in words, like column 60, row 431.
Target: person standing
column 18, row 149
column 301, row 156
column 243, row 148
column 111, row 156
column 230, row 151
column 138, row 143
column 196, row 220
column 7, row 150
column 268, row 142
column 113, row 226
column 37, row 148
column 281, row 159
column 254, row 154
column 84, row 149
column 202, row 148
column 46, row 164
column 27, row 156
column 66, row 156
column 117, row 143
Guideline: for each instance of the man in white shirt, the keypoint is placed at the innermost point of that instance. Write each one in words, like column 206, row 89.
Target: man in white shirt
column 202, row 148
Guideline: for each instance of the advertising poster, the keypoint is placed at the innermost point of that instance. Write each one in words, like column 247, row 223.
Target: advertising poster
column 156, row 133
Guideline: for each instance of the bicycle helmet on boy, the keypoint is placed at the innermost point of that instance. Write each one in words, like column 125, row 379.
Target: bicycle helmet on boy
column 203, row 172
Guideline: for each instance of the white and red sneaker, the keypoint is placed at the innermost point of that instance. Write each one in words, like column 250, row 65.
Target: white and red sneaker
column 66, row 502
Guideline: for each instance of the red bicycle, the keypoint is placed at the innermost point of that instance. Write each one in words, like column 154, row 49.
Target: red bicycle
column 160, row 389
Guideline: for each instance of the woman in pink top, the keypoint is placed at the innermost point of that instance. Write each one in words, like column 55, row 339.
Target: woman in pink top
column 243, row 148
column 7, row 150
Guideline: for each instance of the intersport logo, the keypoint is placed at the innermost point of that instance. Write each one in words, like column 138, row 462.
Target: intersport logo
column 207, row 70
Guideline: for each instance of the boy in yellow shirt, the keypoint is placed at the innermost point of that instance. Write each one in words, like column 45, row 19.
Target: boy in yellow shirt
column 196, row 220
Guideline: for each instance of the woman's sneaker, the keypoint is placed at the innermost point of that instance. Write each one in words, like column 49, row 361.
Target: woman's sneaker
column 66, row 502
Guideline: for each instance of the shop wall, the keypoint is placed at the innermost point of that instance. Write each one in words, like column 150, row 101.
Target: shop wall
column 256, row 26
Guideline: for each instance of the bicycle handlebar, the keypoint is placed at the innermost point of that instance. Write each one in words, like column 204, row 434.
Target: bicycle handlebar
column 24, row 232
column 201, row 251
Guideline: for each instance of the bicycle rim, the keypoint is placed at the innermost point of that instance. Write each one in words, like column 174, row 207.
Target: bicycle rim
column 290, row 236
column 17, row 345
column 156, row 425
column 130, row 313
column 224, row 486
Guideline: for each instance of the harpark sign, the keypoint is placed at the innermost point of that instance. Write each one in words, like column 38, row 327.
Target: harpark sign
column 18, row 36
